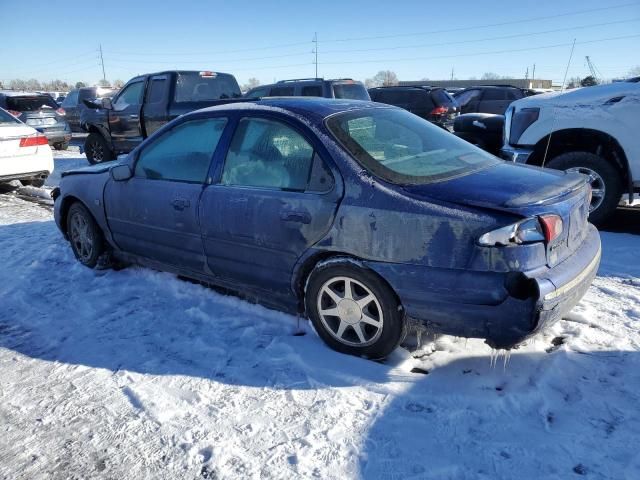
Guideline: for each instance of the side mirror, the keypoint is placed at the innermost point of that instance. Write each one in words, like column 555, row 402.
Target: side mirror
column 120, row 173
column 91, row 104
column 106, row 103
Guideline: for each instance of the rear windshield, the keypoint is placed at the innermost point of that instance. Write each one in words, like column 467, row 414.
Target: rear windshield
column 443, row 98
column 352, row 91
column 405, row 149
column 31, row 103
column 7, row 118
column 196, row 87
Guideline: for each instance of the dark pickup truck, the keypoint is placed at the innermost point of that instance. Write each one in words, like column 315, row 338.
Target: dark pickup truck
column 145, row 104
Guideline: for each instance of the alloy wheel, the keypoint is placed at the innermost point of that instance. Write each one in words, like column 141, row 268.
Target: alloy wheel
column 81, row 237
column 97, row 152
column 598, row 187
column 350, row 311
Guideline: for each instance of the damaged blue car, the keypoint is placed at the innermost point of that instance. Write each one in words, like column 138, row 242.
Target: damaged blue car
column 359, row 215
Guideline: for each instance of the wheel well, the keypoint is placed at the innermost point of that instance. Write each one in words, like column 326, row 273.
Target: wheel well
column 64, row 210
column 310, row 264
column 581, row 140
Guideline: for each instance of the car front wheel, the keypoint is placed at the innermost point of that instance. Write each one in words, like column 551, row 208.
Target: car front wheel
column 354, row 311
column 606, row 184
column 85, row 236
column 97, row 149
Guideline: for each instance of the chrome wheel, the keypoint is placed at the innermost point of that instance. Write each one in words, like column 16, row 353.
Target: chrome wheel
column 81, row 237
column 350, row 311
column 598, row 188
column 97, row 152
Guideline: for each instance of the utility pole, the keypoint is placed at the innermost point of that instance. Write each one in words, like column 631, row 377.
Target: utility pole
column 104, row 76
column 452, row 73
column 315, row 51
column 526, row 74
column 533, row 75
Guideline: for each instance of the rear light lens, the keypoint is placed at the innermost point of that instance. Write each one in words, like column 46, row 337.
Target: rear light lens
column 34, row 141
column 545, row 228
column 15, row 113
column 551, row 226
column 61, row 111
column 208, row 74
column 439, row 110
column 520, row 121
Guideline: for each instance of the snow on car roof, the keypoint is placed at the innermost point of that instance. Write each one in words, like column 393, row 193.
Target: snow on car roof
column 18, row 93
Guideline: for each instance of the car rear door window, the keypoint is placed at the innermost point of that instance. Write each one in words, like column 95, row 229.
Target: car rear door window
column 157, row 89
column 268, row 154
column 31, row 103
column 71, row 100
column 258, row 92
column 312, row 91
column 492, row 94
column 465, row 97
column 183, row 153
column 282, row 91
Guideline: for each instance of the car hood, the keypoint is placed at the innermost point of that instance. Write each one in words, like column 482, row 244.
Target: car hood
column 91, row 170
column 597, row 95
column 504, row 186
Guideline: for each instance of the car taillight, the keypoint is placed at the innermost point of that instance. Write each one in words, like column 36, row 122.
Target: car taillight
column 33, row 141
column 14, row 113
column 439, row 110
column 61, row 111
column 551, row 226
column 544, row 228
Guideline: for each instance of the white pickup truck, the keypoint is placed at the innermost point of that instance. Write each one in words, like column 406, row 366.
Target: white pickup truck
column 592, row 130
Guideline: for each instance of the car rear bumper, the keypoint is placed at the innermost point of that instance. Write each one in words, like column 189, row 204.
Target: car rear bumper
column 515, row 154
column 25, row 176
column 504, row 309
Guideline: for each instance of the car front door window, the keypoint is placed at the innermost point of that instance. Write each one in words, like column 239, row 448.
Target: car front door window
column 182, row 154
column 130, row 96
column 267, row 154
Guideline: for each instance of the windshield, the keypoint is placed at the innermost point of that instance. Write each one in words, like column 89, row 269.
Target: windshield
column 205, row 86
column 403, row 148
column 7, row 118
column 351, row 91
column 31, row 103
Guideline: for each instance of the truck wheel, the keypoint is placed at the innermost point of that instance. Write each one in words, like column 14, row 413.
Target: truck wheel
column 606, row 184
column 354, row 311
column 97, row 149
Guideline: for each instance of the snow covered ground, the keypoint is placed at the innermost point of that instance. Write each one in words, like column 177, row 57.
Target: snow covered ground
column 136, row 374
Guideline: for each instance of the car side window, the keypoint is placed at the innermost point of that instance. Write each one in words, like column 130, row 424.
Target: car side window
column 282, row 91
column 71, row 100
column 157, row 90
column 268, row 154
column 258, row 92
column 493, row 94
column 182, row 154
column 466, row 97
column 312, row 91
column 131, row 95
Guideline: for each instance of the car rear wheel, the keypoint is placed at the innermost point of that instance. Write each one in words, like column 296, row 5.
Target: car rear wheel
column 87, row 241
column 606, row 184
column 36, row 182
column 61, row 146
column 354, row 311
column 97, row 149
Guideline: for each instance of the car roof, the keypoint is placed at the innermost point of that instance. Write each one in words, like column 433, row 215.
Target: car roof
column 19, row 93
column 317, row 107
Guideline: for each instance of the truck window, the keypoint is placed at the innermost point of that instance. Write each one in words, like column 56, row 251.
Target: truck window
column 129, row 96
column 205, row 86
column 312, row 91
column 71, row 100
column 351, row 91
column 157, row 90
column 282, row 92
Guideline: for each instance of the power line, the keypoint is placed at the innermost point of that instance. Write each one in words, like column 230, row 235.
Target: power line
column 482, row 53
column 182, row 54
column 199, row 62
column 502, row 37
column 489, row 25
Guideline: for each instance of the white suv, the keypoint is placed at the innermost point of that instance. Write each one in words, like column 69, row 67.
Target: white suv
column 592, row 130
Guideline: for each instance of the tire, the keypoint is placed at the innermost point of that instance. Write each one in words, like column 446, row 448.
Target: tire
column 61, row 146
column 326, row 293
column 97, row 149
column 604, row 178
column 87, row 241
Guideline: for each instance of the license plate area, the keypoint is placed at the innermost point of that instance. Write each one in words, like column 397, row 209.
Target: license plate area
column 41, row 121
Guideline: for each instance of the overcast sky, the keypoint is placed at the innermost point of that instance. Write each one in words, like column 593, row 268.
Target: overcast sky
column 272, row 40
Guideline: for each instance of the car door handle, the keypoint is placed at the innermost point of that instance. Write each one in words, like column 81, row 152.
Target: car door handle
column 180, row 203
column 300, row 217
column 133, row 117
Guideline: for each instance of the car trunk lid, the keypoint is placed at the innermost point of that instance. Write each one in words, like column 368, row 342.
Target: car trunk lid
column 10, row 137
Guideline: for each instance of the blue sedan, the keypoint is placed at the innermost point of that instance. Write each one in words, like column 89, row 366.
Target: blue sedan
column 358, row 215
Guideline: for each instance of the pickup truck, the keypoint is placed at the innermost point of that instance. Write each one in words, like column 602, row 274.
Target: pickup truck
column 147, row 102
column 591, row 130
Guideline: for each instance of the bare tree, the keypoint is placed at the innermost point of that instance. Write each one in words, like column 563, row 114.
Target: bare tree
column 118, row 83
column 251, row 83
column 634, row 72
column 80, row 84
column 573, row 82
column 384, row 78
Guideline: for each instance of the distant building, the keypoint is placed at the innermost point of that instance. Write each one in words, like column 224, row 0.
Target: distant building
column 516, row 82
